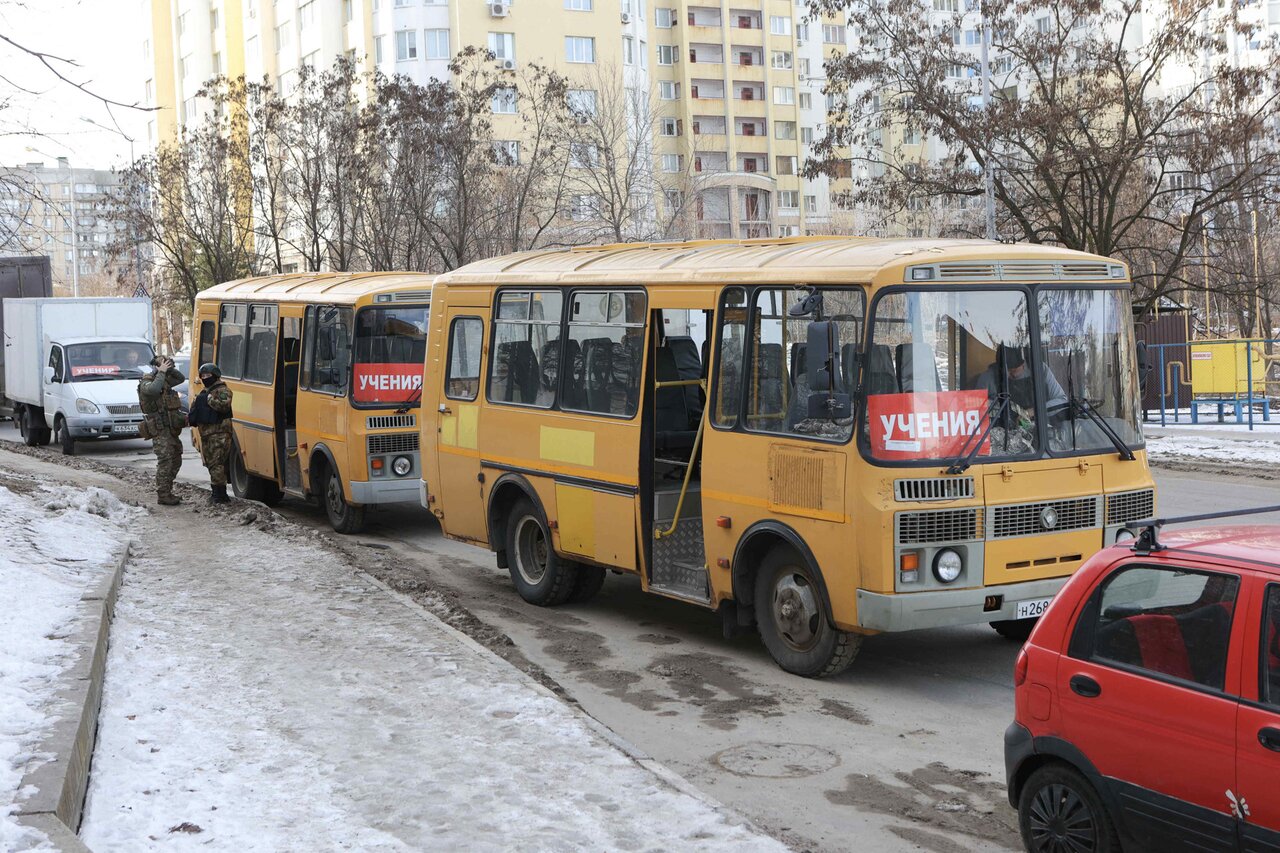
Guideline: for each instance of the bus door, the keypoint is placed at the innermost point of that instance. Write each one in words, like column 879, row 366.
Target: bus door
column 288, row 361
column 676, row 397
column 457, row 481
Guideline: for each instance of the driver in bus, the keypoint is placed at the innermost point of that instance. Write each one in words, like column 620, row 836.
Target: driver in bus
column 1019, row 381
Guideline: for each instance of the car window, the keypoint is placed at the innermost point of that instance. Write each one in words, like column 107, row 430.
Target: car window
column 1167, row 621
column 1271, row 647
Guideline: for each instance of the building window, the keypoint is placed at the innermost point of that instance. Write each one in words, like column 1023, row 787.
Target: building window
column 182, row 23
column 806, row 100
column 628, row 50
column 506, row 152
column 582, row 208
column 501, row 45
column 579, row 5
column 311, row 59
column 406, row 45
column 788, row 199
column 583, row 155
column 664, row 19
column 579, row 49
column 504, row 100
column 668, row 90
column 786, row 165
column 148, row 91
column 780, row 25
column 806, row 135
column 832, row 34
column 811, row 204
column 582, row 103
column 780, row 59
column 671, row 162
column 284, row 34
column 348, row 10
column 377, row 49
column 784, row 95
column 667, row 54
column 437, row 44
column 306, row 14
column 669, row 127
column 217, row 63
column 946, row 6
column 213, row 20
column 784, row 130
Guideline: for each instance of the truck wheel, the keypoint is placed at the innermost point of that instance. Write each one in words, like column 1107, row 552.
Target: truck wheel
column 540, row 575
column 251, row 487
column 344, row 517
column 791, row 613
column 64, row 437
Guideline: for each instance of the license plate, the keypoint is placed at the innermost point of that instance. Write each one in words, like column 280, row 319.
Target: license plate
column 1031, row 608
column 130, row 429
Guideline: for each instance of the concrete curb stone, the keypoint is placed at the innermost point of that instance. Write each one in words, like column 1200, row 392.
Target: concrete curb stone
column 57, row 804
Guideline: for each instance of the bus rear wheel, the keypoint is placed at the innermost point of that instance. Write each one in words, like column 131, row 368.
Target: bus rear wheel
column 343, row 517
column 791, row 614
column 251, row 487
column 539, row 574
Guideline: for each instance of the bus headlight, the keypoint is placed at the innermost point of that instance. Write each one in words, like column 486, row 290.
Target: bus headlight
column 86, row 407
column 947, row 565
column 402, row 465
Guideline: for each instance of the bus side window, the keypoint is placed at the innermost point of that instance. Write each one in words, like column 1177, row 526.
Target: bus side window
column 206, row 343
column 466, row 335
column 603, row 351
column 308, row 346
column 330, row 352
column 729, row 345
column 231, row 338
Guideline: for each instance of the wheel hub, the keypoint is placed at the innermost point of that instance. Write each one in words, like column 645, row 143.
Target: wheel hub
column 531, row 551
column 795, row 611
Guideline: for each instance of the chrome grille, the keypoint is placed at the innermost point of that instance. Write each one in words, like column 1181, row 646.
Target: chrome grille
column 933, row 489
column 944, row 525
column 125, row 409
column 1025, row 519
column 391, row 421
column 393, row 442
column 1131, row 506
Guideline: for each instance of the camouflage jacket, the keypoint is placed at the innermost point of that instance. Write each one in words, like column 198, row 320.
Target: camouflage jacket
column 160, row 403
column 218, row 398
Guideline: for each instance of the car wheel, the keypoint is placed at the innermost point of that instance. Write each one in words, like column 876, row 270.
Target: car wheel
column 791, row 614
column 540, row 575
column 1059, row 810
column 1017, row 630
column 343, row 516
column 64, row 438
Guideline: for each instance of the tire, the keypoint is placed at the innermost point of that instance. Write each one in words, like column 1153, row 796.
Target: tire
column 791, row 615
column 589, row 581
column 1057, row 802
column 250, row 487
column 28, row 438
column 65, row 440
column 344, row 517
column 1017, row 630
column 540, row 575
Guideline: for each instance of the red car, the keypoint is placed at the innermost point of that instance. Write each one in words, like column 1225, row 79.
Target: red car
column 1148, row 699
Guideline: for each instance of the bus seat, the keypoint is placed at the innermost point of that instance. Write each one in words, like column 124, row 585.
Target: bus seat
column 881, row 376
column 671, row 414
column 689, row 366
column 706, row 358
column 848, row 367
column 769, row 376
column 917, row 368
column 549, row 365
column 521, row 368
column 597, row 363
column 798, row 365
column 574, row 392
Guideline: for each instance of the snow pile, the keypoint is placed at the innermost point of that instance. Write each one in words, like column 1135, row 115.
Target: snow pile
column 52, row 551
column 1206, row 449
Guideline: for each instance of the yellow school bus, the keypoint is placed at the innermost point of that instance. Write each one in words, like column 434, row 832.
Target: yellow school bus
column 326, row 372
column 822, row 437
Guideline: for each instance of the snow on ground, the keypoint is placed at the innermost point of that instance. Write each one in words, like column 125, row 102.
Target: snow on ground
column 260, row 695
column 1213, row 449
column 55, row 545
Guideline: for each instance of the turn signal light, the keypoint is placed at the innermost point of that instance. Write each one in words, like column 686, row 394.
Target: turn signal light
column 724, row 521
column 1020, row 668
column 909, row 567
column 376, row 464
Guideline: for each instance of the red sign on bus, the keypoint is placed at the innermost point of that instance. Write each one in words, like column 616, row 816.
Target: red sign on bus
column 926, row 425
column 386, row 383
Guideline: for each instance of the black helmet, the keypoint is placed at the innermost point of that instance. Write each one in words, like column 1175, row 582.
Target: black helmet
column 210, row 367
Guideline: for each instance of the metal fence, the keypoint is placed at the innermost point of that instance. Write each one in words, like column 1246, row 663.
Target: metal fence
column 1239, row 374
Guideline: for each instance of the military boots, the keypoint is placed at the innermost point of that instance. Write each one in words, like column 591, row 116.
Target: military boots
column 168, row 499
column 219, row 495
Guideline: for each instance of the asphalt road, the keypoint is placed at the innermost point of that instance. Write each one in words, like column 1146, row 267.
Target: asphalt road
column 901, row 752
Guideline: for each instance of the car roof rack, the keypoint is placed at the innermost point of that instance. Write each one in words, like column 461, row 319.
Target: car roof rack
column 1146, row 539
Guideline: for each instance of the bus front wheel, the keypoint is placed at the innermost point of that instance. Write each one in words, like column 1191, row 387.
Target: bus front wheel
column 791, row 614
column 344, row 517
column 250, row 487
column 540, row 575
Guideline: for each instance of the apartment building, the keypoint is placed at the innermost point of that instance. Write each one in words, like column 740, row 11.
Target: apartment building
column 735, row 84
column 66, row 213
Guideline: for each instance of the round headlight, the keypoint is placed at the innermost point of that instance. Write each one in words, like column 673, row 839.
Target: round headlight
column 86, row 407
column 947, row 565
column 1124, row 534
column 402, row 465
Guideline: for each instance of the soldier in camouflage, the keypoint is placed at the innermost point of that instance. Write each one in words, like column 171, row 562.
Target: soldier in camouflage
column 162, row 410
column 211, row 414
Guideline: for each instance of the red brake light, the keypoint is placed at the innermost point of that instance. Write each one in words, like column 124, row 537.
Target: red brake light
column 1020, row 668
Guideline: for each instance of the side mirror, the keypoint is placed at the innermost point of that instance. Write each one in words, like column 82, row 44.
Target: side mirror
column 821, row 354
column 49, row 375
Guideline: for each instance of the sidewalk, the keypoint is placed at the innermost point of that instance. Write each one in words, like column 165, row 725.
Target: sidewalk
column 263, row 695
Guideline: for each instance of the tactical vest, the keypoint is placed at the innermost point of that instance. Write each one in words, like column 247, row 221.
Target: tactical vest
column 162, row 412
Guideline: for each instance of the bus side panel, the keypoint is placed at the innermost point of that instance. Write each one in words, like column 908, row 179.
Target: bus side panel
column 254, row 409
column 322, row 420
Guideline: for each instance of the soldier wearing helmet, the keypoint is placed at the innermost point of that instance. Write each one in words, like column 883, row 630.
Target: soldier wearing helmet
column 211, row 415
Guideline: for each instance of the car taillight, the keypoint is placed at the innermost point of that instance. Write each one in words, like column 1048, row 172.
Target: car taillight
column 1020, row 668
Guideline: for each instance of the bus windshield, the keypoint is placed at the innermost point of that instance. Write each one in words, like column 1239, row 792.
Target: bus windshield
column 945, row 364
column 390, row 348
column 107, row 360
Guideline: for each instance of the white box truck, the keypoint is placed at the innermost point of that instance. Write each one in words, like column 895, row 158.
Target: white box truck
column 71, row 367
column 26, row 276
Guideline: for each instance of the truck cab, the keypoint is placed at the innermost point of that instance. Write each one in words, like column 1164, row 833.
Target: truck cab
column 91, row 389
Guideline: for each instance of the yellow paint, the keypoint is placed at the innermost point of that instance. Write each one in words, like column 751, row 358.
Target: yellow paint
column 1221, row 369
column 577, row 520
column 575, row 446
column 468, row 426
column 449, row 431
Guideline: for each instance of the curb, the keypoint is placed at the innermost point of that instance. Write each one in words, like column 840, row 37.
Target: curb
column 60, row 784
column 664, row 774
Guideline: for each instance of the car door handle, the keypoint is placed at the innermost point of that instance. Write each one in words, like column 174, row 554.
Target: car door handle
column 1270, row 738
column 1085, row 686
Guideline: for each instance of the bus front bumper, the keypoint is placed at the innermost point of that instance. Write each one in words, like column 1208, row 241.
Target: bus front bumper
column 385, row 491
column 913, row 610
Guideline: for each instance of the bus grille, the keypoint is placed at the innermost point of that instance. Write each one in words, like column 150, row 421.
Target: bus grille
column 393, row 442
column 945, row 525
column 1023, row 271
column 1131, row 506
column 125, row 409
column 933, row 489
column 391, row 421
column 1026, row 519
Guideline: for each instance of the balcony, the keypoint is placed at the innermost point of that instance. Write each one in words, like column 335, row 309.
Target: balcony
column 747, row 73
column 750, row 109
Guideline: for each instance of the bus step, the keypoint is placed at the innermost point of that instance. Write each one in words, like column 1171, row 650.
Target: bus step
column 679, row 561
column 293, row 473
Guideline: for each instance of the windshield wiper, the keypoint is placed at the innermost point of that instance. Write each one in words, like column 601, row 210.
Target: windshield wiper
column 1081, row 406
column 964, row 459
column 403, row 408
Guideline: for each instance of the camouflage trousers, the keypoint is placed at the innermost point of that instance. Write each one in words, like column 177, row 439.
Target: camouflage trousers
column 168, row 450
column 215, row 451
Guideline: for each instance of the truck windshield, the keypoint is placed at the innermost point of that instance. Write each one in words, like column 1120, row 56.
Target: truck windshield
column 390, row 348
column 1087, row 338
column 107, row 360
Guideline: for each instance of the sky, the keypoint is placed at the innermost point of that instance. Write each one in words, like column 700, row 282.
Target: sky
column 104, row 38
